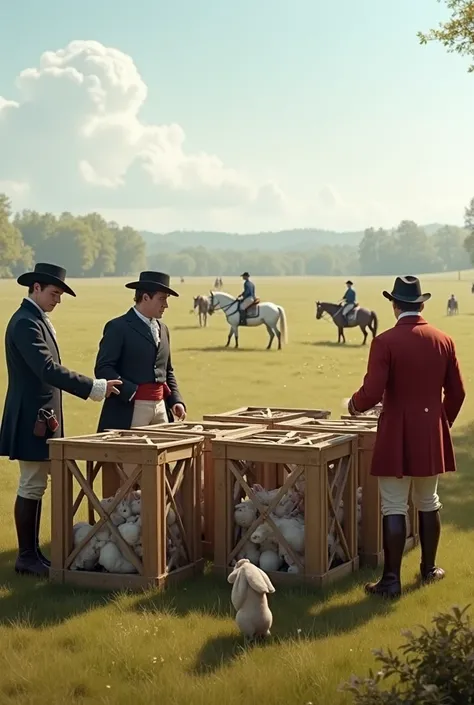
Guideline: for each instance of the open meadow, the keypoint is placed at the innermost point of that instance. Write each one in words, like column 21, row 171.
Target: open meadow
column 182, row 647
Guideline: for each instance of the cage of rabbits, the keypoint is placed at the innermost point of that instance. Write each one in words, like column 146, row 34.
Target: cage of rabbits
column 209, row 430
column 301, row 524
column 146, row 532
column 370, row 538
column 266, row 415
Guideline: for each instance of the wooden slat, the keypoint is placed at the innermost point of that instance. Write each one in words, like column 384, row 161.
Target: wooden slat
column 60, row 488
column 316, row 520
column 154, row 521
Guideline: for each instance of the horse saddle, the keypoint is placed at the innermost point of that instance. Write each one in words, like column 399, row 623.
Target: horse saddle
column 253, row 311
column 352, row 315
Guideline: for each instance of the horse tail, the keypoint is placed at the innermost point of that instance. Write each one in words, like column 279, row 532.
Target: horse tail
column 284, row 324
column 376, row 322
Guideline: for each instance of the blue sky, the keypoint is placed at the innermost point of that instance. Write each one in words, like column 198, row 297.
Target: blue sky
column 321, row 114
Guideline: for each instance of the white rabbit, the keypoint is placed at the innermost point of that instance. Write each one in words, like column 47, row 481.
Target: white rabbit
column 249, row 598
column 244, row 514
column 249, row 550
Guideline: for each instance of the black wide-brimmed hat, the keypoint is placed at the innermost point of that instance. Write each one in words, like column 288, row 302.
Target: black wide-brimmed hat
column 245, row 274
column 153, row 281
column 45, row 273
column 407, row 290
column 349, row 283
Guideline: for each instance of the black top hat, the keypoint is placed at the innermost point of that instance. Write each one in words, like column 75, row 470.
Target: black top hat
column 407, row 290
column 46, row 274
column 349, row 283
column 153, row 281
column 245, row 274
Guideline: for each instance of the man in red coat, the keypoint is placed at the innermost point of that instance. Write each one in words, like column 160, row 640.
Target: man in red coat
column 409, row 367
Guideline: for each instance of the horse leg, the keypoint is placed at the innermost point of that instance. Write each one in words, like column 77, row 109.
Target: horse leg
column 278, row 335
column 364, row 332
column 271, row 334
column 236, row 336
column 229, row 337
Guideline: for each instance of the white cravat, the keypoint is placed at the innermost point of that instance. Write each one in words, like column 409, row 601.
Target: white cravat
column 50, row 325
column 46, row 318
column 153, row 325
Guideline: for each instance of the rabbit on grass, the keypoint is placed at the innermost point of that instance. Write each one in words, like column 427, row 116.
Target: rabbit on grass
column 249, row 598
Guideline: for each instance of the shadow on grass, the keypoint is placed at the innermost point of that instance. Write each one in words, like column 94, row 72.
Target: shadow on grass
column 299, row 614
column 456, row 489
column 38, row 602
column 332, row 344
column 196, row 326
column 229, row 350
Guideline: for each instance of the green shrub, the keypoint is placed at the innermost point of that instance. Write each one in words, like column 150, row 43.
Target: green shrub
column 437, row 667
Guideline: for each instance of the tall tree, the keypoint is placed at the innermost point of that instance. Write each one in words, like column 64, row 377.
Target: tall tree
column 131, row 251
column 457, row 34
column 14, row 254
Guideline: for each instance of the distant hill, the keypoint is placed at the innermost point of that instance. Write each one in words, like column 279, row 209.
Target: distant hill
column 294, row 240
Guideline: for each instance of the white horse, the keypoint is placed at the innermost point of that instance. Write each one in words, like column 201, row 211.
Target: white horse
column 264, row 313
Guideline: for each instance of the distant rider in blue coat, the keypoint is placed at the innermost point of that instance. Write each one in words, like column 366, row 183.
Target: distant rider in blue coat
column 246, row 298
column 350, row 301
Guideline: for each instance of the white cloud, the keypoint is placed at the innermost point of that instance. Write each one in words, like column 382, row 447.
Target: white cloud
column 75, row 138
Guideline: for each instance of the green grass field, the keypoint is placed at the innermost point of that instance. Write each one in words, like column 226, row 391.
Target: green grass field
column 182, row 647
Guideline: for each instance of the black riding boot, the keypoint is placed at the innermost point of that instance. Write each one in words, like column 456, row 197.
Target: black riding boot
column 41, row 556
column 430, row 531
column 394, row 538
column 26, row 513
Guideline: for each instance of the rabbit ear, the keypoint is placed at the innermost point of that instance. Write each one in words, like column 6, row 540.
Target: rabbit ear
column 239, row 591
column 258, row 579
column 232, row 576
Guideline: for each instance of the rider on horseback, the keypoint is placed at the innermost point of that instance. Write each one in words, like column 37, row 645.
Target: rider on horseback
column 350, row 301
column 246, row 298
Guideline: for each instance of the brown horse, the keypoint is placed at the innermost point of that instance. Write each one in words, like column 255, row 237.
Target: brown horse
column 361, row 317
column 202, row 304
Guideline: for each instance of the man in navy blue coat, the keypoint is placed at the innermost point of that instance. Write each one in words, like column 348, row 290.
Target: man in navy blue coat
column 135, row 348
column 33, row 406
column 350, row 300
column 246, row 298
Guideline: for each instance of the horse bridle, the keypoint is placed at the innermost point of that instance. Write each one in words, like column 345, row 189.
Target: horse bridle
column 225, row 308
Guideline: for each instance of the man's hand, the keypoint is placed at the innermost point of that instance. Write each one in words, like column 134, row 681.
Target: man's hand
column 179, row 411
column 351, row 408
column 112, row 385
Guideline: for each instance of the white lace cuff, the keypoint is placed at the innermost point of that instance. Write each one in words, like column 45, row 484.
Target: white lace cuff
column 99, row 388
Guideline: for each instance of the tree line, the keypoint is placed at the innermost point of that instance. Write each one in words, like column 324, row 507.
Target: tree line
column 407, row 248
column 89, row 246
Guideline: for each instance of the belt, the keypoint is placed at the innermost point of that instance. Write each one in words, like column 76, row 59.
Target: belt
column 152, row 391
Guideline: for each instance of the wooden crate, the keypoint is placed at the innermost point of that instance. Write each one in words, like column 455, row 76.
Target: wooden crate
column 370, row 539
column 209, row 430
column 267, row 415
column 167, row 468
column 314, row 471
column 372, row 420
